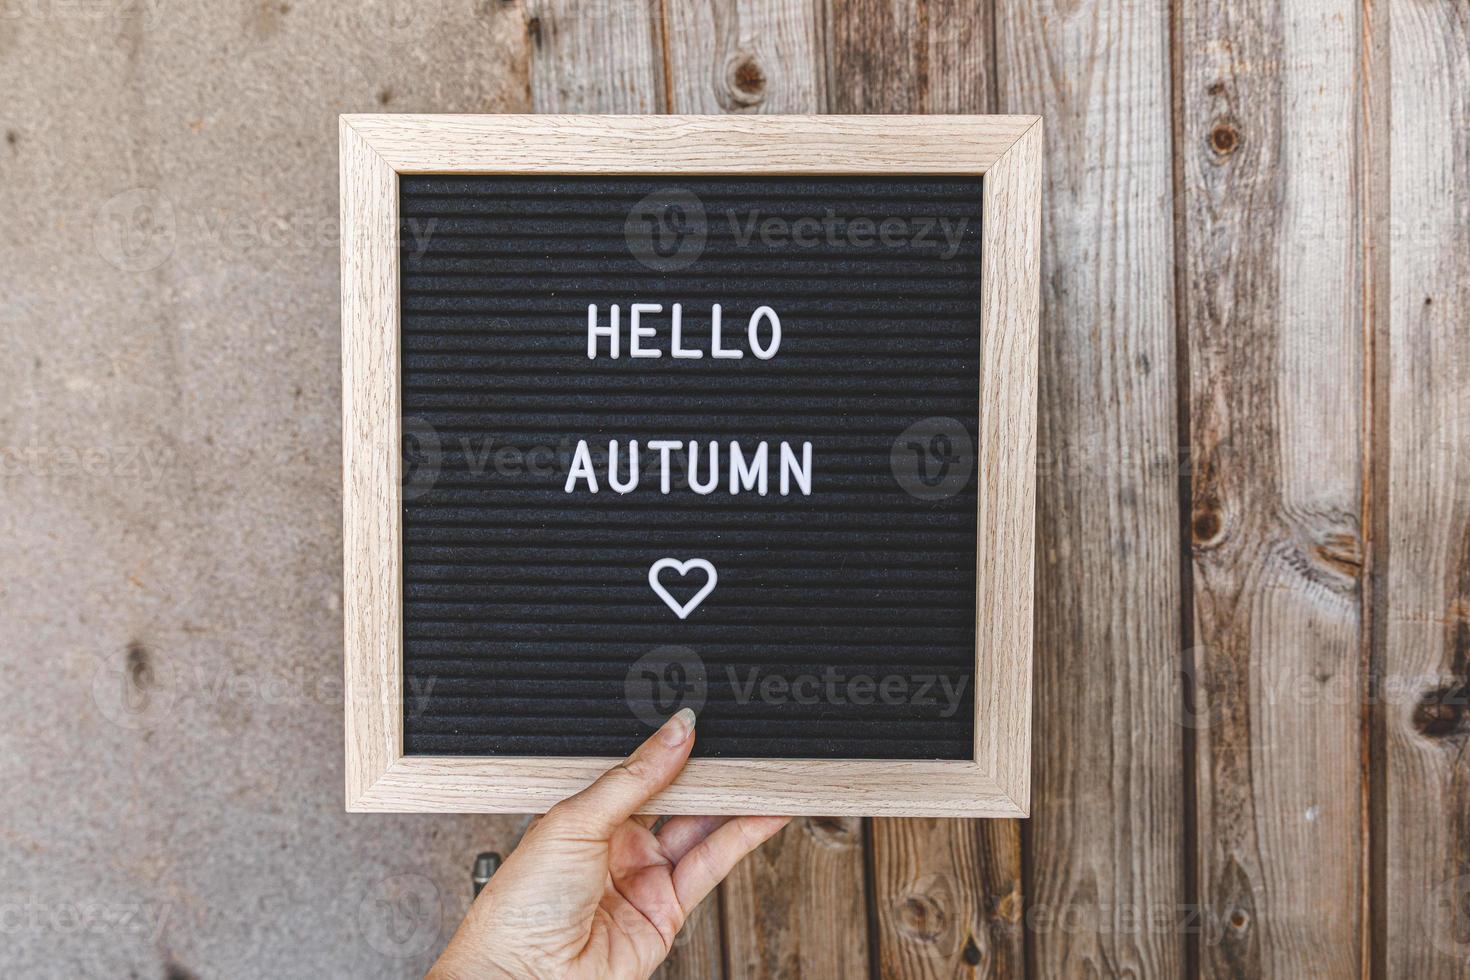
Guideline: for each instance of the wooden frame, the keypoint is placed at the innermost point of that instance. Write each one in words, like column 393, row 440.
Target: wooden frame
column 375, row 149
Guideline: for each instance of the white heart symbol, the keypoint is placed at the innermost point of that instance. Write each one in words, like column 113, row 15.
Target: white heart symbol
column 682, row 567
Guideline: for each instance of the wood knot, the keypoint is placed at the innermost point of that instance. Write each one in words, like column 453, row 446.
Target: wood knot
column 832, row 831
column 1239, row 919
column 1009, row 906
column 971, row 953
column 746, row 82
column 1441, row 712
column 748, row 77
column 1343, row 553
column 1224, row 139
column 1205, row 526
column 922, row 918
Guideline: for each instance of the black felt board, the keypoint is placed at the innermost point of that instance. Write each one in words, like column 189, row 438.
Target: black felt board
column 529, row 625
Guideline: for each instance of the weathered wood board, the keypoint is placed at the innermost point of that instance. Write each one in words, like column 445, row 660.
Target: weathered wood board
column 1106, row 841
column 1272, row 314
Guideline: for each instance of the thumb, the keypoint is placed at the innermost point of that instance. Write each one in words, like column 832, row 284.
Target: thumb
column 621, row 791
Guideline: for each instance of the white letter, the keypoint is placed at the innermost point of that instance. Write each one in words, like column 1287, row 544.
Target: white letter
column 594, row 331
column 789, row 469
column 634, row 348
column 663, row 446
column 581, row 466
column 612, row 466
column 679, row 351
column 764, row 353
column 714, row 467
column 714, row 337
column 751, row 476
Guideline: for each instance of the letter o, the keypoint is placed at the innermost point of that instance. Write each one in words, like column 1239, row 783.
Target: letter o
column 764, row 353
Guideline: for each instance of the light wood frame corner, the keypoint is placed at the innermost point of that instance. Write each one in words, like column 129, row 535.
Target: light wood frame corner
column 1006, row 150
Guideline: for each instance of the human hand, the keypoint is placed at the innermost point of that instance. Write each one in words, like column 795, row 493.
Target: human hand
column 591, row 891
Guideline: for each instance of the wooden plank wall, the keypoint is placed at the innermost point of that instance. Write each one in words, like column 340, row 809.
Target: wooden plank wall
column 1253, row 617
column 1422, row 592
column 1105, row 844
column 1271, row 317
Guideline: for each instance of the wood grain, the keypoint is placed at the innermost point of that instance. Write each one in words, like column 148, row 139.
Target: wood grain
column 946, row 893
column 925, row 56
column 875, row 54
column 745, row 56
column 372, row 552
column 1105, row 877
column 1010, row 308
column 947, row 897
column 528, row 784
column 566, row 144
column 958, row 56
column 1425, row 581
column 596, row 55
column 1273, row 306
column 796, row 907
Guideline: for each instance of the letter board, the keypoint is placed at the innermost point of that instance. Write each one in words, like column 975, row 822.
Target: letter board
column 704, row 435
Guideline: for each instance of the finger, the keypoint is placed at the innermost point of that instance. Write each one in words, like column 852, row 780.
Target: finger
column 621, row 791
column 677, row 837
column 710, row 861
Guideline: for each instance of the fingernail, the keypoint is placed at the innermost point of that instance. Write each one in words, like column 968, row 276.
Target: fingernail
column 678, row 728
